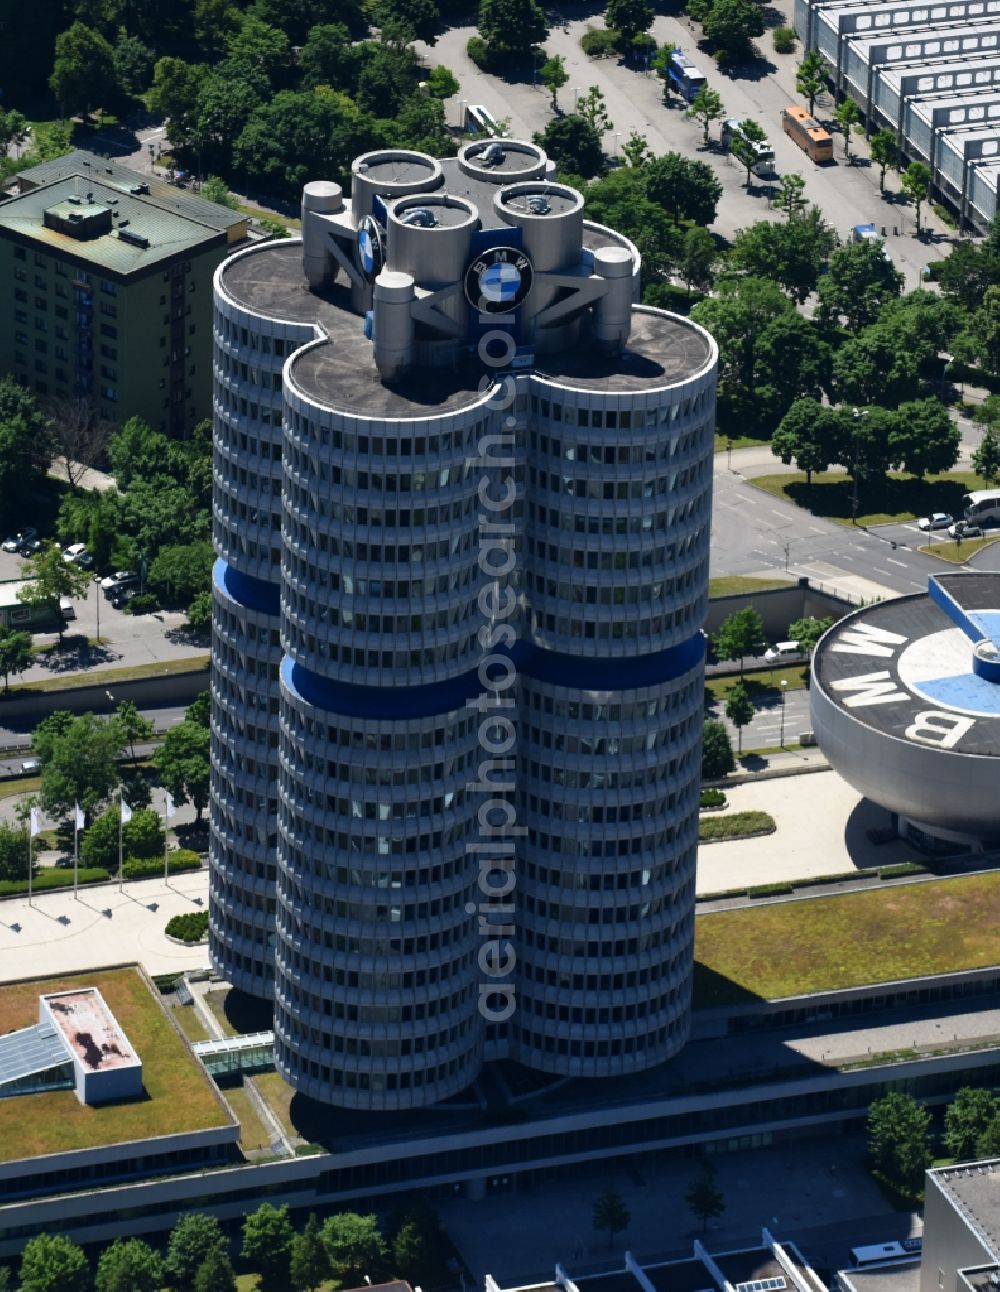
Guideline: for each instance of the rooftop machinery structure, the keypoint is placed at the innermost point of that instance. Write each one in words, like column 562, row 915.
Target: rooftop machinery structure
column 929, row 72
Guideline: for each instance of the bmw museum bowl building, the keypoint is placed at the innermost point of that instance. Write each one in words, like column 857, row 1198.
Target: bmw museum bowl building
column 461, row 513
column 905, row 702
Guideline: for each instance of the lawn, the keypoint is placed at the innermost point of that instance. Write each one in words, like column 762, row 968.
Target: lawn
column 253, row 1132
column 179, row 1096
column 730, row 585
column 278, row 1096
column 764, row 684
column 735, row 825
column 958, row 553
column 106, row 676
column 724, row 442
column 826, row 943
column 899, row 497
column 189, row 1021
column 216, row 1002
column 22, row 785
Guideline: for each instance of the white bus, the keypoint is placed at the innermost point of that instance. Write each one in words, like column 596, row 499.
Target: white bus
column 982, row 507
column 760, row 156
column 907, row 1249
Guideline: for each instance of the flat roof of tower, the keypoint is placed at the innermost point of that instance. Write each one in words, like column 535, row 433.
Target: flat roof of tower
column 269, row 280
column 662, row 349
column 975, row 1191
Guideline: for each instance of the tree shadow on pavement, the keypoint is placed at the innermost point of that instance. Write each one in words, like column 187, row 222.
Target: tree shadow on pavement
column 75, row 653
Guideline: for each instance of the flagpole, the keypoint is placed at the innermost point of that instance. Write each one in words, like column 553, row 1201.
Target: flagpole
column 166, row 827
column 31, row 835
column 121, row 813
column 76, row 851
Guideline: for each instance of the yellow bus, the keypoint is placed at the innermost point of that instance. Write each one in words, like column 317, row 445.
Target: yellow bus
column 807, row 133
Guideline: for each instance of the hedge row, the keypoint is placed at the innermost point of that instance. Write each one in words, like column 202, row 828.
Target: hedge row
column 793, row 886
column 149, row 867
column 53, row 877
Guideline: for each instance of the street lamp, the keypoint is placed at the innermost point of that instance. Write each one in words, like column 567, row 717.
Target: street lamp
column 857, row 414
column 729, row 453
column 784, row 688
column 618, row 135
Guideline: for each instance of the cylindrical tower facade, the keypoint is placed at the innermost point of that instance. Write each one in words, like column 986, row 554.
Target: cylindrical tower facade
column 481, row 636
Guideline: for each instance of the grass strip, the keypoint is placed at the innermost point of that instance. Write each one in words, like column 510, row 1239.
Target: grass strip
column 731, row 585
column 897, row 498
column 107, row 676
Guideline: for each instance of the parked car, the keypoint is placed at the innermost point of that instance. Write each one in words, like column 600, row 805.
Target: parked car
column 121, row 583
column 73, row 551
column 781, row 650
column 17, row 541
column 31, row 767
column 936, row 520
column 84, row 560
column 121, row 599
column 31, row 547
column 965, row 529
column 117, row 577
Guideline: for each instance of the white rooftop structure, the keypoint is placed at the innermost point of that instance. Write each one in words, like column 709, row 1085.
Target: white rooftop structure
column 105, row 1065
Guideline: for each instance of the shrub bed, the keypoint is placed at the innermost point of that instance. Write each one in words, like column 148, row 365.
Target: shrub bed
column 598, row 42
column 712, row 798
column 738, row 825
column 770, row 890
column 783, row 39
column 149, row 867
column 190, row 927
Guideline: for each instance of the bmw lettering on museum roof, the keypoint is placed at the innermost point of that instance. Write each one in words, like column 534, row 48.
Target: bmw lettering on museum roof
column 905, row 703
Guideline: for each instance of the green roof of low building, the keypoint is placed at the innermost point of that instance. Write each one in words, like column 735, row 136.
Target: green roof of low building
column 144, row 229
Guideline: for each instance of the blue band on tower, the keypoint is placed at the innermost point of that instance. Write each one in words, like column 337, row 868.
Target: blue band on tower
column 245, row 590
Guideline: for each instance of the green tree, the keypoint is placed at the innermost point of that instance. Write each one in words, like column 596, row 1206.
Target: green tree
column 49, row 578
column 988, row 1143
column 611, row 1213
column 84, row 70
column 174, row 94
column 415, row 19
column 214, row 189
column 740, row 634
column 755, row 133
column 985, row 460
column 808, row 631
column 706, row 107
column 133, row 62
column 199, row 711
column 199, row 613
column 737, row 316
column 183, row 763
column 14, row 131
column 620, row 201
column 330, row 57
column 808, row 436
column 984, row 326
column 409, row 1250
column 512, row 27
column 297, row 135
column 442, row 83
column 865, row 452
column 215, row 1273
column 858, row 283
column 593, row 108
column 716, row 751
column 966, row 1119
column 134, row 728
column 141, row 837
column 791, row 195
column 573, row 144
column 871, row 368
column 885, row 153
column 79, row 760
column 13, row 851
column 739, row 710
column 660, row 64
column 704, row 1197
column 193, row 1239
column 635, row 150
column 52, row 1263
column 899, row 1139
column 791, row 254
column 698, row 255
column 267, row 1244
column 629, row 17
column 129, row 1266
column 925, row 439
column 179, row 573
column 967, row 271
column 733, row 25
column 310, row 1264
column 916, row 183
column 553, row 76
column 792, row 362
column 847, row 116
column 23, row 447
column 686, row 189
column 810, row 78
column 15, row 654
column 355, row 1246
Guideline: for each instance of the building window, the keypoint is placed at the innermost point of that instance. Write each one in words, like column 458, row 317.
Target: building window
column 110, row 289
column 20, row 275
column 21, row 296
column 110, row 310
column 40, row 259
column 41, row 303
column 20, row 316
column 20, row 253
column 109, row 331
column 109, row 392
